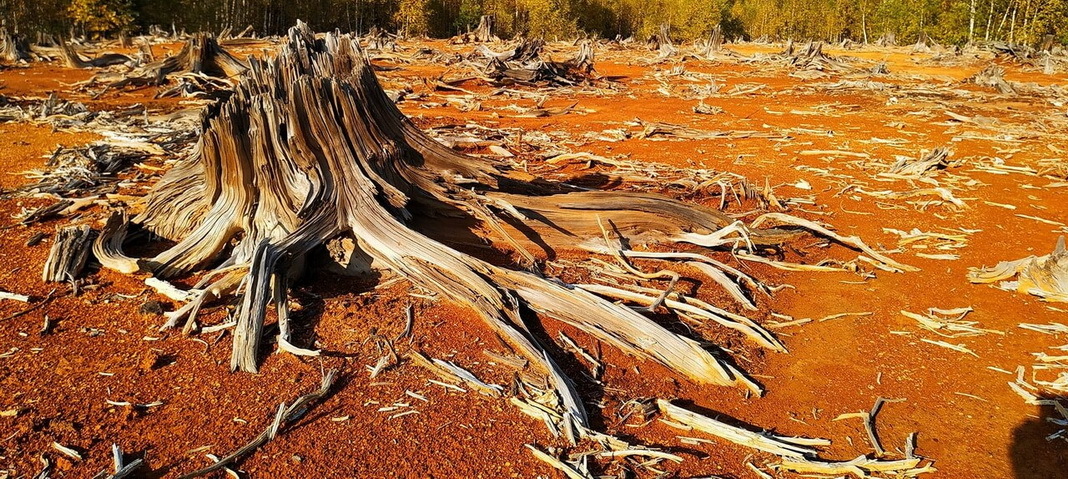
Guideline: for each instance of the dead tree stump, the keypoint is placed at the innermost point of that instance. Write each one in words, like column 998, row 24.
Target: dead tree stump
column 484, row 32
column 309, row 149
column 69, row 253
column 13, row 48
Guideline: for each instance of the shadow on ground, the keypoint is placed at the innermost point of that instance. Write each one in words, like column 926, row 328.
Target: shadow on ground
column 1033, row 455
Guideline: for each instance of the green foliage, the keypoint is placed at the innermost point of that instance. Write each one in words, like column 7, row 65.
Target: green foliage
column 468, row 16
column 545, row 18
column 412, row 18
column 101, row 17
column 1051, row 17
column 944, row 21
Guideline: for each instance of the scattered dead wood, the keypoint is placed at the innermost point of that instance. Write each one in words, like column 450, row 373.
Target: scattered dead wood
column 811, row 57
column 245, row 38
column 75, row 60
column 201, row 55
column 123, row 469
column 69, row 253
column 285, row 417
column 83, row 171
column 455, row 374
column 1043, row 276
column 762, row 441
column 378, row 39
column 936, row 159
column 796, row 454
column 524, row 65
column 655, row 129
column 993, row 76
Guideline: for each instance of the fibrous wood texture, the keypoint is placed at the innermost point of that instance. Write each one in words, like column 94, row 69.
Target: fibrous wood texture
column 69, row 253
column 75, row 60
column 1043, row 276
column 13, row 48
column 309, row 149
column 201, row 55
column 524, row 64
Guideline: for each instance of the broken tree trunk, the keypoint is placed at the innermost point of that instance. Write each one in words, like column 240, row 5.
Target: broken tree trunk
column 74, row 60
column 13, row 48
column 524, row 64
column 69, row 253
column 201, row 55
column 309, row 149
column 484, row 32
column 993, row 76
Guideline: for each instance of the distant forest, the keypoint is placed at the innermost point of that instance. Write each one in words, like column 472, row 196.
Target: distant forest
column 954, row 22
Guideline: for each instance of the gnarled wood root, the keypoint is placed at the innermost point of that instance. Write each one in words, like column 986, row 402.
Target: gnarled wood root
column 309, row 149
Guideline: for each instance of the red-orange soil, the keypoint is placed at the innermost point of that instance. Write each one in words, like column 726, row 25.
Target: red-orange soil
column 102, row 348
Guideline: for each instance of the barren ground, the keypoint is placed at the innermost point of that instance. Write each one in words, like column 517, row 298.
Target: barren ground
column 102, row 348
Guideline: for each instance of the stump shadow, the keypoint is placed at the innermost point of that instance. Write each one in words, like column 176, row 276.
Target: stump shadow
column 1033, row 456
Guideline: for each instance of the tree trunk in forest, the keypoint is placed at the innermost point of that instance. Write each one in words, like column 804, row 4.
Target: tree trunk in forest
column 864, row 23
column 13, row 48
column 971, row 23
column 309, row 150
column 989, row 22
column 484, row 32
column 1012, row 26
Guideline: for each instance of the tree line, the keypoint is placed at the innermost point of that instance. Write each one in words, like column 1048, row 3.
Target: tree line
column 955, row 22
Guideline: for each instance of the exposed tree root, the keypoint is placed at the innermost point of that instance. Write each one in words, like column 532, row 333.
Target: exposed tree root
column 309, row 149
column 201, row 55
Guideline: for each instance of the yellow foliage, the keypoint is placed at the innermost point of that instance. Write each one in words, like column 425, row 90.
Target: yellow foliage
column 101, row 17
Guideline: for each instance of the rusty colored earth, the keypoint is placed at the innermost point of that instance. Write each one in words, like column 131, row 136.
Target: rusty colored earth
column 104, row 373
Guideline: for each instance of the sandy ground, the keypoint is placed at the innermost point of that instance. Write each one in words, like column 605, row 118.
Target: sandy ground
column 102, row 350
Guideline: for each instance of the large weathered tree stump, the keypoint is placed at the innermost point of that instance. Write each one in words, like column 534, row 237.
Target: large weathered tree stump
column 13, row 48
column 309, row 149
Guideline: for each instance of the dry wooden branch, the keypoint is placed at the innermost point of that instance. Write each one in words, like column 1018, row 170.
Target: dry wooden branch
column 763, row 441
column 35, row 307
column 936, row 159
column 284, row 417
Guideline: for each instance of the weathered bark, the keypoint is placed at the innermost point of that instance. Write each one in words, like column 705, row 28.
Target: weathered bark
column 13, row 48
column 69, row 253
column 523, row 64
column 201, row 55
column 309, row 149
column 484, row 32
column 993, row 76
column 74, row 60
column 381, row 40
